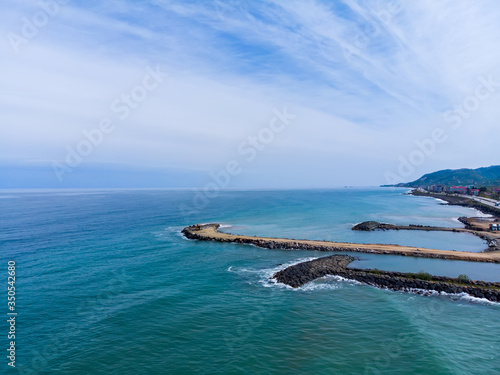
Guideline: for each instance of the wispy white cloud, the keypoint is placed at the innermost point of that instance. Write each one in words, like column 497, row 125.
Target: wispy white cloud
column 367, row 79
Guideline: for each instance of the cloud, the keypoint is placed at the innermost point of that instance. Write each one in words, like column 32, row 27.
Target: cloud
column 366, row 78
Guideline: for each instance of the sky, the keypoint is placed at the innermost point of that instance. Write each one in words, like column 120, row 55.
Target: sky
column 245, row 94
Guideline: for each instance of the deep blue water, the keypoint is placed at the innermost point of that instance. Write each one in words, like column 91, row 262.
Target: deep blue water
column 107, row 285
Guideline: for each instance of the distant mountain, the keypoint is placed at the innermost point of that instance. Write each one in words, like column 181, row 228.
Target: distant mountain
column 488, row 176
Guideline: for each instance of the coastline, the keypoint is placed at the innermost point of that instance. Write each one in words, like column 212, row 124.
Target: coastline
column 453, row 200
column 210, row 232
column 337, row 265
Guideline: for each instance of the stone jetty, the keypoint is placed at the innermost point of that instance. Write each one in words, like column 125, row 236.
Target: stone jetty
column 302, row 273
column 210, row 232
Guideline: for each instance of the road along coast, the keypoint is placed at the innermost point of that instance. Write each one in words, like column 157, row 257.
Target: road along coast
column 210, row 232
column 455, row 200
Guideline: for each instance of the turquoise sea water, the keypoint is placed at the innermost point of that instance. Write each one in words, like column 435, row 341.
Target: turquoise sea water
column 107, row 285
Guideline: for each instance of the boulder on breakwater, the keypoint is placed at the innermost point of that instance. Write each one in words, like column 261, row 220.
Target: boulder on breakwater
column 375, row 225
column 368, row 226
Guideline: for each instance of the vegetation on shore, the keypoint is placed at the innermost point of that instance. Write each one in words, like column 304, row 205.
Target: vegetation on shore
column 480, row 177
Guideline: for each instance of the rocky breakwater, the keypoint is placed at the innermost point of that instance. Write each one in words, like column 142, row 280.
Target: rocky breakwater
column 471, row 227
column 210, row 232
column 302, row 273
column 369, row 226
column 198, row 232
column 193, row 231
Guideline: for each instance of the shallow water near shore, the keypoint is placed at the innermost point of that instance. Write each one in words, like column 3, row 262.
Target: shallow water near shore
column 142, row 299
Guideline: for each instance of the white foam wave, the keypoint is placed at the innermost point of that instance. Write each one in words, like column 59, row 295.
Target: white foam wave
column 441, row 200
column 323, row 283
column 265, row 279
column 424, row 292
column 333, row 282
column 169, row 232
column 242, row 270
column 328, row 282
column 481, row 214
column 345, row 280
column 265, row 275
column 469, row 298
column 454, row 296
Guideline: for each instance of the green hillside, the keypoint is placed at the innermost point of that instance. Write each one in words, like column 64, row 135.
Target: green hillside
column 488, row 176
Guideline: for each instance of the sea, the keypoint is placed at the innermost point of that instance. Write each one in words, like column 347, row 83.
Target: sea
column 105, row 283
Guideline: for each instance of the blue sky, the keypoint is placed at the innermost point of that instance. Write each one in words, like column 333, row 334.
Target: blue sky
column 368, row 84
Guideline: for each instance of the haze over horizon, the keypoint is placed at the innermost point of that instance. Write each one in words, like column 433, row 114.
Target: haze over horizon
column 273, row 94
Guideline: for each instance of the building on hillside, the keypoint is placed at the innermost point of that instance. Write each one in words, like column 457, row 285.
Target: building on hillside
column 435, row 188
column 458, row 189
column 474, row 191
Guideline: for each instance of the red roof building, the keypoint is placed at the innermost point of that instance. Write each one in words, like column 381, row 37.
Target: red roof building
column 459, row 189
